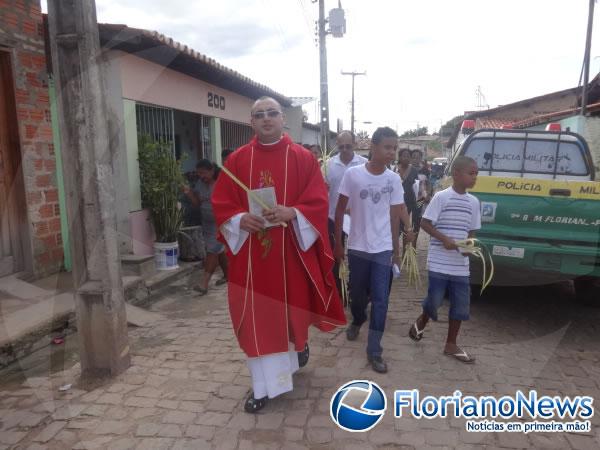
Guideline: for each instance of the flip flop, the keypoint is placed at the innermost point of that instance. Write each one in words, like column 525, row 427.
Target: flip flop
column 201, row 291
column 221, row 281
column 461, row 356
column 414, row 333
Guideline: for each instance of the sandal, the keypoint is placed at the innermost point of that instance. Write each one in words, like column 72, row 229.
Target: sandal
column 414, row 333
column 201, row 291
column 253, row 405
column 303, row 356
column 221, row 281
column 461, row 356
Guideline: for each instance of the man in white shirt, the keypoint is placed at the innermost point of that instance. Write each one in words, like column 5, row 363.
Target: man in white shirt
column 375, row 197
column 336, row 168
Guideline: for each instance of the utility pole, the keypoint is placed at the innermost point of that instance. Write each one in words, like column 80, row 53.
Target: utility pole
column 323, row 77
column 586, row 58
column 337, row 25
column 86, row 127
column 353, row 74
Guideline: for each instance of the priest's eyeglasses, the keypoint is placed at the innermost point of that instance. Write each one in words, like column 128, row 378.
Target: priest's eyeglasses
column 272, row 113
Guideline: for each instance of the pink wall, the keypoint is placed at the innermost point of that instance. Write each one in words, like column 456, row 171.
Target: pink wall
column 141, row 232
column 145, row 81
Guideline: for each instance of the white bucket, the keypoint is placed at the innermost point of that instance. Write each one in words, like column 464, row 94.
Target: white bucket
column 166, row 255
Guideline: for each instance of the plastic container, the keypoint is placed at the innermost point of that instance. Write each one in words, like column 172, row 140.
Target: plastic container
column 166, row 255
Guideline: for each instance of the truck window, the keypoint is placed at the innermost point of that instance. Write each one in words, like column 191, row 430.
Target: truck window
column 481, row 151
column 570, row 160
column 511, row 155
column 508, row 155
column 540, row 156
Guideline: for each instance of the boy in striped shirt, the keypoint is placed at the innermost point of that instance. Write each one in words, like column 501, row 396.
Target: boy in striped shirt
column 452, row 215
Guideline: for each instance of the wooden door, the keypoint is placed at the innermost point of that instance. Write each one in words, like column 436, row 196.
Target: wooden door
column 10, row 187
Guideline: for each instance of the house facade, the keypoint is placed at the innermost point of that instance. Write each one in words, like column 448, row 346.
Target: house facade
column 311, row 135
column 31, row 240
column 172, row 93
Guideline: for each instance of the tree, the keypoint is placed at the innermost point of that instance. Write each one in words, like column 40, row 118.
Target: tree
column 448, row 128
column 436, row 146
column 419, row 131
column 362, row 134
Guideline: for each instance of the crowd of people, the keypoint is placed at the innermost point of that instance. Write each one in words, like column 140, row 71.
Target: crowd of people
column 286, row 230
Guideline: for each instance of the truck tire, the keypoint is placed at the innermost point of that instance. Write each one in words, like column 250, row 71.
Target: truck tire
column 587, row 290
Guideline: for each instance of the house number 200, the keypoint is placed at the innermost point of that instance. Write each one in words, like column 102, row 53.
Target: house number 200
column 216, row 101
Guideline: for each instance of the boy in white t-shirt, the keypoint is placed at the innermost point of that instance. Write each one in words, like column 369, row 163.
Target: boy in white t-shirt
column 452, row 215
column 375, row 198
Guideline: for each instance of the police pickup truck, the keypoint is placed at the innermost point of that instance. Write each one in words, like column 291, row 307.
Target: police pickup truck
column 540, row 207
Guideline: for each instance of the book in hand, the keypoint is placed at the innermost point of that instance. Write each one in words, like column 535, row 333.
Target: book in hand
column 267, row 196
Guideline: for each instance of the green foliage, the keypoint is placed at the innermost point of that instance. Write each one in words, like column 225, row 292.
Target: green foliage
column 362, row 135
column 448, row 128
column 161, row 179
column 420, row 131
column 435, row 145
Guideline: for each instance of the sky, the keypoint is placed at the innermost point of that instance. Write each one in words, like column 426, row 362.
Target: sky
column 424, row 59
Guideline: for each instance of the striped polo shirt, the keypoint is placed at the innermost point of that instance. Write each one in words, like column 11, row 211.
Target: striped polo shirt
column 454, row 215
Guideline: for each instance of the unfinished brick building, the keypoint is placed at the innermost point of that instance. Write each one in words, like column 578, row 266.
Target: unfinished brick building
column 30, row 225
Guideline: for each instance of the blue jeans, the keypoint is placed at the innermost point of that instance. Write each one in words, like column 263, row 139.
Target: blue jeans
column 459, row 293
column 370, row 276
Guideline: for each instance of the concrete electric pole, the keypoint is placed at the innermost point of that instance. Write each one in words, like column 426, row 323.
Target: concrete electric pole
column 353, row 74
column 586, row 59
column 337, row 25
column 324, row 101
column 86, row 127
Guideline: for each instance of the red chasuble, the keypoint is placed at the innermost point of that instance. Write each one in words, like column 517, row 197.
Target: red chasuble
column 275, row 289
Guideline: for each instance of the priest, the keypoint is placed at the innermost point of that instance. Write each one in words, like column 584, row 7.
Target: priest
column 280, row 277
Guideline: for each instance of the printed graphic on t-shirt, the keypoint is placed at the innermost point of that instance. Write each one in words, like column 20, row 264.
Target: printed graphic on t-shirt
column 370, row 198
column 374, row 192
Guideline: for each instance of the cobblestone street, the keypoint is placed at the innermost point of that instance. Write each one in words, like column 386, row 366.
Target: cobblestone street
column 188, row 380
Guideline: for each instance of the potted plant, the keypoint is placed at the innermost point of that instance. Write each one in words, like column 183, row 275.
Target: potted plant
column 161, row 179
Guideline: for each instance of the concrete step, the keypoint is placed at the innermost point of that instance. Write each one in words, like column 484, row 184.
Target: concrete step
column 163, row 278
column 36, row 314
column 15, row 286
column 136, row 265
column 27, row 330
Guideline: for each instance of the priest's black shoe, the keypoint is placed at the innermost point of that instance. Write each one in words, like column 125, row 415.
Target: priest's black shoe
column 253, row 405
column 378, row 364
column 352, row 332
column 303, row 356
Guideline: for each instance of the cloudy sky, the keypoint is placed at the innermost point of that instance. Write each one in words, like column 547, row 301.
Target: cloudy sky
column 424, row 59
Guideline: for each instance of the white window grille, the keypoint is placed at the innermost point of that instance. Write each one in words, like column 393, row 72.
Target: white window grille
column 235, row 134
column 157, row 122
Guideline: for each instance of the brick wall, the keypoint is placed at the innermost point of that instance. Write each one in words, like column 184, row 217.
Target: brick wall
column 22, row 31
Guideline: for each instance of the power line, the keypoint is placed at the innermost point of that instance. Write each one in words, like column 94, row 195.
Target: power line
column 279, row 30
column 307, row 19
